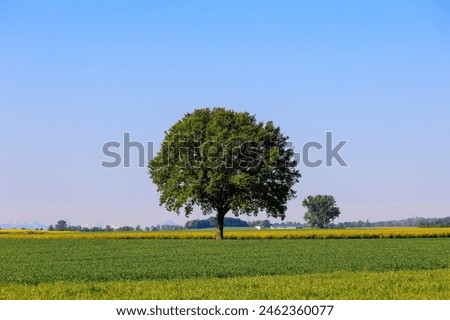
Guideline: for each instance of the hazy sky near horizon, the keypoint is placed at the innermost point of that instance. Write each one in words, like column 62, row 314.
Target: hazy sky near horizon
column 76, row 74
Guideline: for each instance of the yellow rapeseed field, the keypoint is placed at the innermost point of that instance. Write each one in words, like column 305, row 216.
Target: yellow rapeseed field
column 375, row 233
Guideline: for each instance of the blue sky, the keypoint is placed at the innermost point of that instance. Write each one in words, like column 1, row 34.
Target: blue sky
column 76, row 74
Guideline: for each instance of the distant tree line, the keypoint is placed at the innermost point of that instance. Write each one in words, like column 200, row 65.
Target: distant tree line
column 289, row 224
column 433, row 222
column 211, row 223
column 62, row 225
column 410, row 222
column 239, row 223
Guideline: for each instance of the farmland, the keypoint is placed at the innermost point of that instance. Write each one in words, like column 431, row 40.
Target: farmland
column 98, row 266
column 238, row 234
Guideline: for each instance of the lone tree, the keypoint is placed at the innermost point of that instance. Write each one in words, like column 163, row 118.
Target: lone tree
column 61, row 225
column 221, row 161
column 321, row 210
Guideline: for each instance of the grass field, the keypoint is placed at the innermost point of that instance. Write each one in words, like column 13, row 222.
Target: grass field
column 68, row 267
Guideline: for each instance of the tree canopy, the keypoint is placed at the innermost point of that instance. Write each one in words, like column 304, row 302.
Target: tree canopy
column 61, row 225
column 321, row 210
column 222, row 160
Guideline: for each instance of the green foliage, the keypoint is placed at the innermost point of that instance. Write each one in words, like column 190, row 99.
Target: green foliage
column 321, row 210
column 61, row 225
column 211, row 223
column 221, row 161
column 45, row 261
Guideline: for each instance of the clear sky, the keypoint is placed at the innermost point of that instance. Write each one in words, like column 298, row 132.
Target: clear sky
column 76, row 74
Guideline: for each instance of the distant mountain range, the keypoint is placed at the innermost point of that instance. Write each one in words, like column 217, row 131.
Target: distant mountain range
column 170, row 223
column 27, row 225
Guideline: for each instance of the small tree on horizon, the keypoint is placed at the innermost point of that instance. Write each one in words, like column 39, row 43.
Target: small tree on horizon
column 321, row 210
column 221, row 161
column 61, row 225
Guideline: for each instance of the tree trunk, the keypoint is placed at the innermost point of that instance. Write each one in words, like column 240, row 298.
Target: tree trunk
column 219, row 225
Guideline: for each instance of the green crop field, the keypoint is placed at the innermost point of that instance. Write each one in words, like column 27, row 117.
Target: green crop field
column 398, row 268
